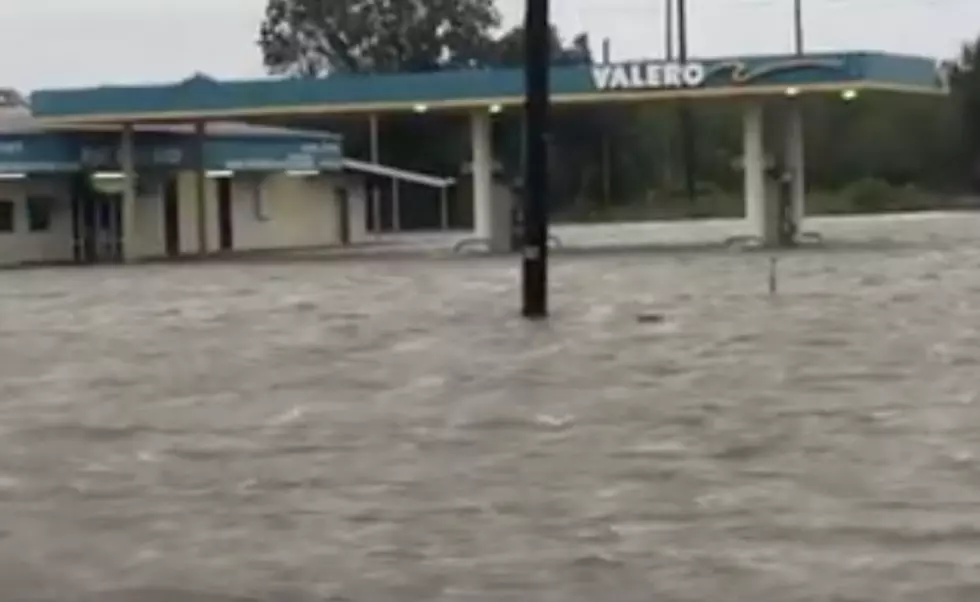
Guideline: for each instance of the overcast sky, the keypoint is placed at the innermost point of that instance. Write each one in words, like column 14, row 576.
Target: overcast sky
column 60, row 43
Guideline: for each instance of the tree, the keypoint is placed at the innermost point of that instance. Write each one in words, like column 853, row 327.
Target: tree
column 508, row 49
column 315, row 37
column 965, row 83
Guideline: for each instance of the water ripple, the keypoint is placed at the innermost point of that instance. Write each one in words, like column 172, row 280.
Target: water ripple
column 371, row 430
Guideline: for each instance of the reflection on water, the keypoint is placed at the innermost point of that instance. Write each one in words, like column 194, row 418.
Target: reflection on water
column 377, row 431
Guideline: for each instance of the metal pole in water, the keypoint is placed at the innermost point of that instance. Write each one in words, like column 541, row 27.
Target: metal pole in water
column 773, row 275
column 536, row 103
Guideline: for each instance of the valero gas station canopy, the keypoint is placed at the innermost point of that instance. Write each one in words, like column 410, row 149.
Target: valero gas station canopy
column 202, row 98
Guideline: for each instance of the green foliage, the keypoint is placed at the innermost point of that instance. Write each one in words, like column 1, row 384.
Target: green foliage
column 315, row 37
column 869, row 195
column 965, row 80
column 508, row 49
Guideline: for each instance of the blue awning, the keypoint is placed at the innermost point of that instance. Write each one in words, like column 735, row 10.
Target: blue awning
column 53, row 152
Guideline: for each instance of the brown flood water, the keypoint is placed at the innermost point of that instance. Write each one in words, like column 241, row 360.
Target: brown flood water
column 389, row 431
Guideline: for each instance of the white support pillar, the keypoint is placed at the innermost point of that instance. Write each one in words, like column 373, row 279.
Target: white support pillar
column 482, row 168
column 754, row 169
column 796, row 161
column 201, row 188
column 127, row 163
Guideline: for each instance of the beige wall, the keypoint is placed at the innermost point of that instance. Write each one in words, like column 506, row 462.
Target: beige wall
column 149, row 239
column 273, row 211
column 296, row 212
column 187, row 203
column 357, row 203
column 56, row 243
column 290, row 212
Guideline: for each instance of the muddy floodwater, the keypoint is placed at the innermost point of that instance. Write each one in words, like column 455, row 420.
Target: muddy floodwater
column 381, row 429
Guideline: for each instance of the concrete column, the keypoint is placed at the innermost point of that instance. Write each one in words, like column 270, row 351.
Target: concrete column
column 796, row 161
column 754, row 168
column 127, row 163
column 201, row 188
column 482, row 171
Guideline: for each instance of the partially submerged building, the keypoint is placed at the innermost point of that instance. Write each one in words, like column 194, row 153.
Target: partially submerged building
column 106, row 193
column 130, row 172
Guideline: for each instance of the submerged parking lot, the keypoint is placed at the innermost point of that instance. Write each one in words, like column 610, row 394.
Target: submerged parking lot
column 388, row 429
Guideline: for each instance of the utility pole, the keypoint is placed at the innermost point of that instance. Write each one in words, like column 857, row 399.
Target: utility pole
column 537, row 61
column 798, row 26
column 687, row 125
column 682, row 30
column 667, row 180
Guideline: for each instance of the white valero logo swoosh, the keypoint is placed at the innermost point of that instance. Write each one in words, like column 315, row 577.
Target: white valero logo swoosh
column 649, row 75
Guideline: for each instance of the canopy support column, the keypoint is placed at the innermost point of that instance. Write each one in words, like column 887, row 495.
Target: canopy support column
column 482, row 171
column 796, row 162
column 754, row 169
column 201, row 187
column 127, row 162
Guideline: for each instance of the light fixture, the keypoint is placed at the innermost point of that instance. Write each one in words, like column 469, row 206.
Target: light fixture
column 792, row 91
column 420, row 108
column 220, row 173
column 302, row 173
column 496, row 108
column 13, row 176
column 849, row 95
column 108, row 175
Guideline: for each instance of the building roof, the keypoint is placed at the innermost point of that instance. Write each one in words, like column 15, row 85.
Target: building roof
column 473, row 89
column 29, row 146
column 16, row 118
column 19, row 120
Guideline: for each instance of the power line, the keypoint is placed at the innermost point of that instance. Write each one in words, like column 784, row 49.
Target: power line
column 724, row 27
column 643, row 6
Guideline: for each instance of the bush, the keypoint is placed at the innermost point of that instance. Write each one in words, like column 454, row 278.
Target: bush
column 871, row 195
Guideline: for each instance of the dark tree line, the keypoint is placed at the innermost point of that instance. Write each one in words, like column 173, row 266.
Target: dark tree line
column 877, row 152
